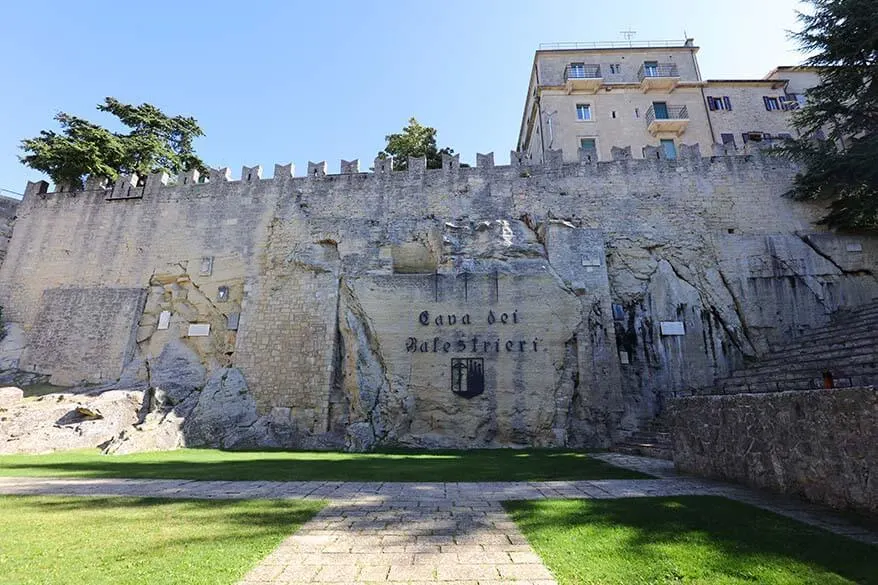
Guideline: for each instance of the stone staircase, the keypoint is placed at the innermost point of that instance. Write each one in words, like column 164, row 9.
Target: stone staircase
column 841, row 355
column 652, row 439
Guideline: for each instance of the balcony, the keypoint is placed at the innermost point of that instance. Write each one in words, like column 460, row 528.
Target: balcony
column 658, row 76
column 582, row 77
column 673, row 119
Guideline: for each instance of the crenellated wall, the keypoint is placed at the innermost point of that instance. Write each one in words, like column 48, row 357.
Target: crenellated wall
column 313, row 286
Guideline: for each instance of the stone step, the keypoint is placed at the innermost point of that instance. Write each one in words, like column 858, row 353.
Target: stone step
column 645, row 450
column 814, row 379
column 647, row 438
column 849, row 315
column 828, row 360
column 825, row 336
column 843, row 372
column 853, row 347
column 804, row 383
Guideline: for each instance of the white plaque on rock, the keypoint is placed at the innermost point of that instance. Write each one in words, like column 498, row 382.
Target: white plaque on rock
column 591, row 261
column 855, row 247
column 672, row 328
column 199, row 329
column 164, row 320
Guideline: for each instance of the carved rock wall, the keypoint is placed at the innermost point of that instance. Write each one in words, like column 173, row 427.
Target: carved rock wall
column 637, row 279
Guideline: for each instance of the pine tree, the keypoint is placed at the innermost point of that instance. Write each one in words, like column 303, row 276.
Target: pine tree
column 841, row 37
column 155, row 142
column 414, row 140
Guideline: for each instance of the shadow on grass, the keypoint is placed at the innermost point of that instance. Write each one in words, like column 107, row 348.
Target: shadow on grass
column 280, row 513
column 54, row 540
column 396, row 466
column 687, row 539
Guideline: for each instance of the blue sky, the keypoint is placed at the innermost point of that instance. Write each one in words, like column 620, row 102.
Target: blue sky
column 274, row 82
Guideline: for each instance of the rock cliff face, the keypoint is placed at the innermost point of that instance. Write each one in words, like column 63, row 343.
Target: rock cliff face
column 550, row 305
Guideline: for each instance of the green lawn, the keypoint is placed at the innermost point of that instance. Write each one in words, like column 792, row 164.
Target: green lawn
column 122, row 541
column 482, row 465
column 692, row 540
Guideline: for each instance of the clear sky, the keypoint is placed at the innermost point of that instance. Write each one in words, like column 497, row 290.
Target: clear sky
column 275, row 82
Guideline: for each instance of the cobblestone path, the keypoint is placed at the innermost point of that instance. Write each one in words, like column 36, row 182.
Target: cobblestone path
column 449, row 533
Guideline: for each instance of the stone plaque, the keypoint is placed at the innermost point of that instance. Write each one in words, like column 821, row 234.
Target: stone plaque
column 672, row 328
column 623, row 358
column 855, row 247
column 206, row 268
column 591, row 261
column 164, row 320
column 199, row 329
column 467, row 376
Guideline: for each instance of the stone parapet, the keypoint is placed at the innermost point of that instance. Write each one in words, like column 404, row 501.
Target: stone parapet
column 819, row 444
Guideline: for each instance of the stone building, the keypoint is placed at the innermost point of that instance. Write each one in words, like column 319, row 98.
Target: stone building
column 594, row 96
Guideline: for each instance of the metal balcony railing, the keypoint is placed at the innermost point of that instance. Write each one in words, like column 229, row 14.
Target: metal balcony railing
column 657, row 70
column 666, row 113
column 582, row 71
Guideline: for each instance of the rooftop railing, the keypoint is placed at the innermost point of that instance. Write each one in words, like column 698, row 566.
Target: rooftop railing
column 617, row 44
column 657, row 70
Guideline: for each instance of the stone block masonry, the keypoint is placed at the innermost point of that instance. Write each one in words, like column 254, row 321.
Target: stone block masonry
column 820, row 444
column 313, row 285
column 83, row 334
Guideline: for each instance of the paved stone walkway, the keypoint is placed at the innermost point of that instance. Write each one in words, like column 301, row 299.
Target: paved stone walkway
column 449, row 533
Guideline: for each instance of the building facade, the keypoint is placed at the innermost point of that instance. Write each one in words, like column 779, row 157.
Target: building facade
column 596, row 96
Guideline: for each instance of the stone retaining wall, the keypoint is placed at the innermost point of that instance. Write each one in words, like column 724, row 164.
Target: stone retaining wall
column 820, row 444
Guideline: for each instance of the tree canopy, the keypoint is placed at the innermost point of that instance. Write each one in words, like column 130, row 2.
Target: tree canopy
column 414, row 140
column 841, row 37
column 155, row 142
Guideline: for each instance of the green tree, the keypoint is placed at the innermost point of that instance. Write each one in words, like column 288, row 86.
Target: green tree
column 841, row 37
column 154, row 142
column 414, row 140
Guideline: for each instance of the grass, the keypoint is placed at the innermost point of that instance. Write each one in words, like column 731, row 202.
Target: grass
column 692, row 540
column 127, row 541
column 482, row 465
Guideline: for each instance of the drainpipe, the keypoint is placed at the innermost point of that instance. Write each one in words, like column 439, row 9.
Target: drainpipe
column 542, row 133
column 709, row 123
column 703, row 99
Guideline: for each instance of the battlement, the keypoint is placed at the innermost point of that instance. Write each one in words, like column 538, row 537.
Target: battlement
column 129, row 187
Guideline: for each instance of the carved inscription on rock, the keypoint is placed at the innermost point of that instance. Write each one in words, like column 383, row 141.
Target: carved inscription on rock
column 457, row 340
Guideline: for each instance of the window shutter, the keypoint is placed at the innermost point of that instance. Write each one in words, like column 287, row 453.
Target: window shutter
column 767, row 103
column 728, row 103
column 711, row 103
column 746, row 137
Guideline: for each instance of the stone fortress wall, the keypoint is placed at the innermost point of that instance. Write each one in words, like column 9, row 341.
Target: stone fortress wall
column 552, row 304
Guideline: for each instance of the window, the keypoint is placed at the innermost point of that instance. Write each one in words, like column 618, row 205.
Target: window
column 719, row 103
column 728, row 140
column 660, row 109
column 587, row 144
column 669, row 148
column 577, row 70
column 754, row 136
column 614, row 114
column 650, row 68
column 583, row 112
column 771, row 103
column 615, row 68
column 636, row 112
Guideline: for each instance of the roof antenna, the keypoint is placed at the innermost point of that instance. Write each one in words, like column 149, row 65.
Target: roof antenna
column 628, row 34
